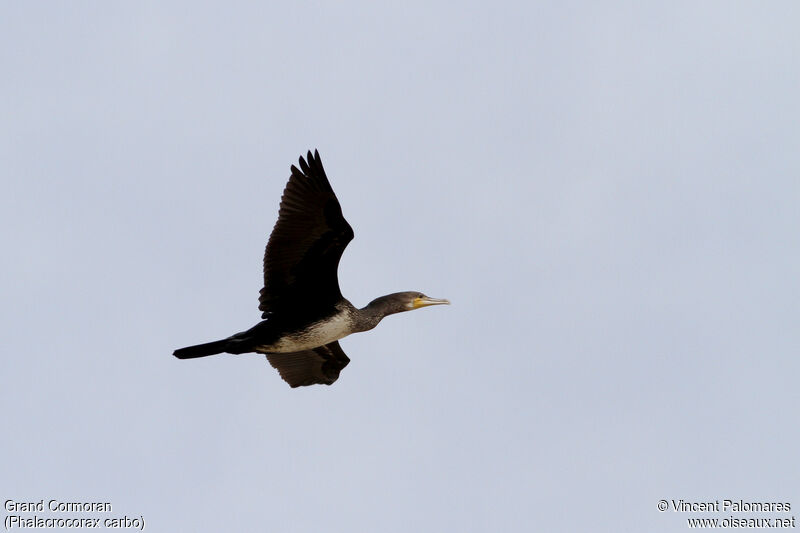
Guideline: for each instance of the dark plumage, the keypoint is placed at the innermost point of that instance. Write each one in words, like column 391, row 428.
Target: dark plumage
column 303, row 309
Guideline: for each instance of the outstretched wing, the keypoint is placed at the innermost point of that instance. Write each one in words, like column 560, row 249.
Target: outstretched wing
column 305, row 247
column 319, row 366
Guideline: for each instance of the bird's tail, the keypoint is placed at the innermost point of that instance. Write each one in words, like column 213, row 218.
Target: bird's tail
column 201, row 350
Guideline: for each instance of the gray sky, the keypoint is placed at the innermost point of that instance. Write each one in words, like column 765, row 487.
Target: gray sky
column 608, row 193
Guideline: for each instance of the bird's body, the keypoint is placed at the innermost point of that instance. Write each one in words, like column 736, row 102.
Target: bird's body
column 303, row 310
column 285, row 334
column 333, row 327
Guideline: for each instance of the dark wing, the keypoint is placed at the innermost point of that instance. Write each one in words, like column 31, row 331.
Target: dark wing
column 303, row 252
column 320, row 366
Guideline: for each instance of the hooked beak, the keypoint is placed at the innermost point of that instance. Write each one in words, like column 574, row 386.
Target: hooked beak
column 425, row 301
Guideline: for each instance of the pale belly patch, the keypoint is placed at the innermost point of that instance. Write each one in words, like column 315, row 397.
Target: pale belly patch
column 315, row 335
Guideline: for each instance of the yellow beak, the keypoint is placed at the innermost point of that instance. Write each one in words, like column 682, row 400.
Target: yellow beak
column 425, row 301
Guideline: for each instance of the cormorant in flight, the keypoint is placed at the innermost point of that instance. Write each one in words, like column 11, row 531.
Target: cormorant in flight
column 304, row 312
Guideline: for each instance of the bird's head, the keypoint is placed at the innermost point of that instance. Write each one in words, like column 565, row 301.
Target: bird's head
column 403, row 301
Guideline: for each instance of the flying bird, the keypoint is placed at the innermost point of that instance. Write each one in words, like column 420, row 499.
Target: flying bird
column 304, row 313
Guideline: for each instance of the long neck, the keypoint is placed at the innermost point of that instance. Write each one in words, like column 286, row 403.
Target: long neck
column 373, row 313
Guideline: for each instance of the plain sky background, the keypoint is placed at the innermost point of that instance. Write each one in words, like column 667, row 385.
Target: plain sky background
column 609, row 194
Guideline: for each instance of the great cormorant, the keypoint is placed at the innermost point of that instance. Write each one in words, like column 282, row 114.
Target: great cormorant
column 303, row 309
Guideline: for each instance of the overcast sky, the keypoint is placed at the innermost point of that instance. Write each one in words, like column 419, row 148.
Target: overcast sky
column 609, row 194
